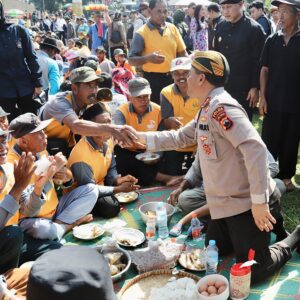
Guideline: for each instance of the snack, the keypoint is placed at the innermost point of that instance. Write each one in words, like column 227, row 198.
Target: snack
column 126, row 197
column 151, row 213
column 88, row 231
column 212, row 288
column 128, row 241
column 193, row 260
column 42, row 165
column 114, row 261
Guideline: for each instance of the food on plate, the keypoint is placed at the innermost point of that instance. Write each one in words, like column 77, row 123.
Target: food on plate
column 212, row 288
column 193, row 260
column 114, row 261
column 128, row 241
column 88, row 231
column 126, row 197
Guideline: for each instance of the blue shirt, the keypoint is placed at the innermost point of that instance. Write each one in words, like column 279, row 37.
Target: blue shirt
column 19, row 68
column 96, row 40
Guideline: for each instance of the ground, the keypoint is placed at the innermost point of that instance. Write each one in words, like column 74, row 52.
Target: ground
column 291, row 201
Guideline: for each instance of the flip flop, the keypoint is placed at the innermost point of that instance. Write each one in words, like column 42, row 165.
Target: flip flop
column 176, row 230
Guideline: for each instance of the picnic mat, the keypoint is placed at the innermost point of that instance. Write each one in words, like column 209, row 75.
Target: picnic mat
column 282, row 285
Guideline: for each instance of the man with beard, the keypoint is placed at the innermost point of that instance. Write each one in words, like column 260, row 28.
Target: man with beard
column 67, row 107
column 240, row 39
column 177, row 109
column 154, row 46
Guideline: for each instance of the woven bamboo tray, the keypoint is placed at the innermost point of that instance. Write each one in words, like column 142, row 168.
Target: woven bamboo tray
column 139, row 288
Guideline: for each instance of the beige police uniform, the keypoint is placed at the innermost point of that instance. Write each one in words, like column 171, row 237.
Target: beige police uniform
column 233, row 161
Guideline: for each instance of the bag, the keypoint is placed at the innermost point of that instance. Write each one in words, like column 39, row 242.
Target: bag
column 115, row 35
column 106, row 207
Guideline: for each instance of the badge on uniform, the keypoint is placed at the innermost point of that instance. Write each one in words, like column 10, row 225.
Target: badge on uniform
column 220, row 115
column 219, row 39
column 206, row 149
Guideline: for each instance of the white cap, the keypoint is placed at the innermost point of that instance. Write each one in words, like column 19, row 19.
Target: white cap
column 181, row 63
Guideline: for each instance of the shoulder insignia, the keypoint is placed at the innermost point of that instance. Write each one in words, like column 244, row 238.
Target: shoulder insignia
column 220, row 116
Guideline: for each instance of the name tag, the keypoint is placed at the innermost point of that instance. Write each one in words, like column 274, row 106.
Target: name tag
column 204, row 127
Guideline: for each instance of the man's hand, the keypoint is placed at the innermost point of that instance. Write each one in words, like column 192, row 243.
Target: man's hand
column 262, row 105
column 172, row 123
column 127, row 178
column 124, row 135
column 60, row 161
column 156, row 58
column 252, row 97
column 173, row 198
column 23, row 171
column 62, row 176
column 126, row 187
column 37, row 92
column 262, row 217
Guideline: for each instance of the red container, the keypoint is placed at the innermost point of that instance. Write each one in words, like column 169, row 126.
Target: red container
column 240, row 279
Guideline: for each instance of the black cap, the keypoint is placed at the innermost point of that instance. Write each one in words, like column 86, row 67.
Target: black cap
column 27, row 123
column 70, row 273
column 52, row 43
column 229, row 1
column 295, row 3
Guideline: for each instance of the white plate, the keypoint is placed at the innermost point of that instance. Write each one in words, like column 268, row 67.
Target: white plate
column 182, row 260
column 148, row 157
column 88, row 231
column 127, row 197
column 134, row 237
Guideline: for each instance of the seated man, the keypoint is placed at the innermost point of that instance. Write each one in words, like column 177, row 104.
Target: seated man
column 177, row 109
column 92, row 161
column 73, row 208
column 66, row 108
column 142, row 115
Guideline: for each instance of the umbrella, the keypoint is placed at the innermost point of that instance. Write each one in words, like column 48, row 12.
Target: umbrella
column 14, row 13
column 185, row 3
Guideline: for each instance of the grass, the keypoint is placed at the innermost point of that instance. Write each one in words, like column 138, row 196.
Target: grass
column 291, row 201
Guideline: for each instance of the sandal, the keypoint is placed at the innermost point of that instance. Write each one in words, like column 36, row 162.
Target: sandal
column 290, row 187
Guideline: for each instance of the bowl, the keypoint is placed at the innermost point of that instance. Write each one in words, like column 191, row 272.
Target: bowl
column 149, row 158
column 125, row 258
column 151, row 206
column 205, row 279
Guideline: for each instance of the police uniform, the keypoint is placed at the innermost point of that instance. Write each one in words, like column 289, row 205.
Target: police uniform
column 233, row 162
column 241, row 43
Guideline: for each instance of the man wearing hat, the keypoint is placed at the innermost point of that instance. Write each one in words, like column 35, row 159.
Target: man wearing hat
column 20, row 78
column 154, row 46
column 142, row 115
column 143, row 15
column 122, row 62
column 233, row 158
column 280, row 90
column 177, row 109
column 240, row 39
column 67, row 107
column 71, row 273
column 48, row 66
column 52, row 218
column 105, row 64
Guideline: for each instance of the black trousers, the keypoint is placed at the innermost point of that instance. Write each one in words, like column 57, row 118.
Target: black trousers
column 239, row 233
column 11, row 239
column 157, row 82
column 281, row 134
column 18, row 106
column 127, row 164
column 173, row 161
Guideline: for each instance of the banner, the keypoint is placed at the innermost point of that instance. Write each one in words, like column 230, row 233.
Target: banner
column 77, row 8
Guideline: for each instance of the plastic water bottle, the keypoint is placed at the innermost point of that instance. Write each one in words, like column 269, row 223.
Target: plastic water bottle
column 196, row 228
column 151, row 228
column 212, row 258
column 162, row 221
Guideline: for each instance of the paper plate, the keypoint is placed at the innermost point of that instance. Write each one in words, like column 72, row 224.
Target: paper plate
column 127, row 197
column 129, row 237
column 88, row 231
column 187, row 263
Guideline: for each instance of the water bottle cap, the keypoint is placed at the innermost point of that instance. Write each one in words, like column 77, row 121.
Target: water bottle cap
column 212, row 243
column 194, row 215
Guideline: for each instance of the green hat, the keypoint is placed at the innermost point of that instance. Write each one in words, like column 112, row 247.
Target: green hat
column 139, row 86
column 83, row 74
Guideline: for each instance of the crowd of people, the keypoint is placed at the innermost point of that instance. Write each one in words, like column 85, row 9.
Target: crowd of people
column 89, row 93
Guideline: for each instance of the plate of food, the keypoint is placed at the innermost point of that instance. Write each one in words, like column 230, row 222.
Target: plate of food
column 193, row 260
column 148, row 157
column 129, row 237
column 88, row 231
column 127, row 197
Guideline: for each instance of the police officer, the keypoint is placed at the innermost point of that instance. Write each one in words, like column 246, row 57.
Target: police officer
column 233, row 159
column 240, row 39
